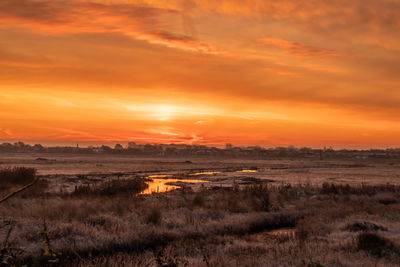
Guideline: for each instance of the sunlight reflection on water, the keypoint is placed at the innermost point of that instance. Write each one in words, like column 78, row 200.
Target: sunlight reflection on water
column 284, row 231
column 248, row 171
column 161, row 186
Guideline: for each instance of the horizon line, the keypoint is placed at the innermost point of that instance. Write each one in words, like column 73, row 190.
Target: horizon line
column 88, row 144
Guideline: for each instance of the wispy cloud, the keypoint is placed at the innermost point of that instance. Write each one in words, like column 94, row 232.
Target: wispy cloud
column 75, row 17
column 5, row 133
column 297, row 49
column 181, row 42
column 279, row 65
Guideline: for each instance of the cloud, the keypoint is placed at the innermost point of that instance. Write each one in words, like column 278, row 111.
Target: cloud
column 320, row 13
column 181, row 42
column 74, row 13
column 317, row 54
column 77, row 17
column 297, row 48
column 5, row 133
column 365, row 21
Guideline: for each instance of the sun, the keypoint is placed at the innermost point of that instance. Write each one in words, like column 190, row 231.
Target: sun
column 164, row 112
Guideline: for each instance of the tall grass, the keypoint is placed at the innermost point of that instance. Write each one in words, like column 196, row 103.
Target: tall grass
column 16, row 176
column 363, row 189
column 111, row 188
column 102, row 224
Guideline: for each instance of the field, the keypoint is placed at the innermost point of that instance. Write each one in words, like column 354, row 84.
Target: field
column 98, row 211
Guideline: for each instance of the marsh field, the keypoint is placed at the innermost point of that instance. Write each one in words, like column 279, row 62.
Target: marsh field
column 109, row 210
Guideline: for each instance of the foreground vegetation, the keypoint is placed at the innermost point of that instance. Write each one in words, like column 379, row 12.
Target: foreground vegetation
column 110, row 224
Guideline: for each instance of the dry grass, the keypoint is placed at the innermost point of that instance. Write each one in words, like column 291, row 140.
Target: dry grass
column 111, row 188
column 12, row 178
column 109, row 225
column 16, row 176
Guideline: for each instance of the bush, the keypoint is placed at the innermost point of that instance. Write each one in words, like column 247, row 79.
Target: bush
column 376, row 245
column 16, row 176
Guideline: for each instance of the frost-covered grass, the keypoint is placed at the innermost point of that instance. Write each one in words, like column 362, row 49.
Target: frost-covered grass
column 329, row 224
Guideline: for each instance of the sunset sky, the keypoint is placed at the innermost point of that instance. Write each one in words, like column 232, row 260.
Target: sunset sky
column 273, row 73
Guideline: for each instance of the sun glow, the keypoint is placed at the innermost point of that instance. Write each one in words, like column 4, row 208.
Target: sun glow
column 155, row 111
column 168, row 112
column 165, row 112
column 207, row 72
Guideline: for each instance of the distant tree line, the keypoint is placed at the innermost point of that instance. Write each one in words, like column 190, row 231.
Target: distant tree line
column 201, row 150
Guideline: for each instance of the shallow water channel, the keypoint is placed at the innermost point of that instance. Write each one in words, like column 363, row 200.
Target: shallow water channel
column 157, row 185
column 161, row 183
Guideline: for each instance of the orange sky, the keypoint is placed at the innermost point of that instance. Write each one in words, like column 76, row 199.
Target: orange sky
column 305, row 73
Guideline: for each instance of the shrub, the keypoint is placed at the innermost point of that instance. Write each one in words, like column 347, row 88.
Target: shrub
column 376, row 245
column 16, row 176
